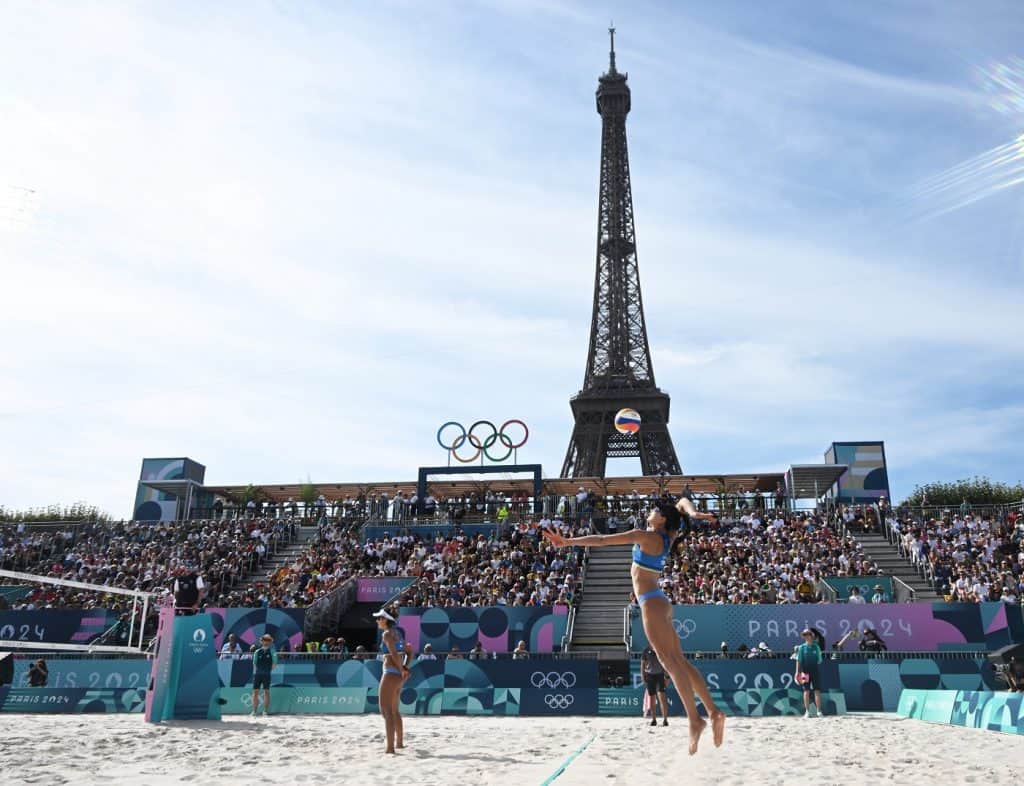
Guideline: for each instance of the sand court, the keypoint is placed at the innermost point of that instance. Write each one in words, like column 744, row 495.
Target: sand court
column 117, row 750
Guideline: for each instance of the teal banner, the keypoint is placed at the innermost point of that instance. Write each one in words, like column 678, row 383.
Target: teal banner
column 70, row 700
column 974, row 709
column 904, row 627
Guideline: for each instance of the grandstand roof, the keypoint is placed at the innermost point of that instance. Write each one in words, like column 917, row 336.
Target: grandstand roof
column 811, row 481
column 673, row 484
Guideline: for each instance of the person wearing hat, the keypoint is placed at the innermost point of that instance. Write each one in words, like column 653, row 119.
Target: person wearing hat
column 264, row 660
column 651, row 548
column 808, row 672
column 396, row 669
column 879, row 596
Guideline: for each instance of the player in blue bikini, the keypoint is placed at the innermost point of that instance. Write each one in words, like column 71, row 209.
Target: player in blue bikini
column 396, row 670
column 651, row 547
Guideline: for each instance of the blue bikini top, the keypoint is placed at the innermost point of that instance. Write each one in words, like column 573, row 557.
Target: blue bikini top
column 650, row 561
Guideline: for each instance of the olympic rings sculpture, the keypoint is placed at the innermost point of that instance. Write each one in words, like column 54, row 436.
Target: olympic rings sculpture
column 484, row 444
column 552, row 679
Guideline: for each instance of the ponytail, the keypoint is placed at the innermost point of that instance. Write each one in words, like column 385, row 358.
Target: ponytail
column 678, row 536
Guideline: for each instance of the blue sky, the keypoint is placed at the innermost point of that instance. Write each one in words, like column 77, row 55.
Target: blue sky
column 290, row 241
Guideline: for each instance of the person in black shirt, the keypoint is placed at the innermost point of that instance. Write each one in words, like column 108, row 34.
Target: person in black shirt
column 871, row 642
column 654, row 678
column 188, row 591
column 38, row 674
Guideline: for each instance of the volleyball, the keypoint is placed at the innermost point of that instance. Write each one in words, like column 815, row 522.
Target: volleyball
column 627, row 421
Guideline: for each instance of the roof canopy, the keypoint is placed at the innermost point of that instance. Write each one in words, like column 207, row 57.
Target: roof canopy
column 673, row 484
column 811, row 481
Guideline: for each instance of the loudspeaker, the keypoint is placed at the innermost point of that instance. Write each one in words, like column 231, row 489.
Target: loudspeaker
column 1003, row 654
column 6, row 668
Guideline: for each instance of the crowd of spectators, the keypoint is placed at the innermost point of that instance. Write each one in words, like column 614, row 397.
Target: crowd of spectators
column 142, row 556
column 513, row 566
column 757, row 557
column 970, row 557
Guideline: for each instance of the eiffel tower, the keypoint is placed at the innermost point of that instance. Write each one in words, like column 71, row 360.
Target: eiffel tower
column 619, row 372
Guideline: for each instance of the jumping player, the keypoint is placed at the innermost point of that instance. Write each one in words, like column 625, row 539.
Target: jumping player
column 396, row 670
column 651, row 547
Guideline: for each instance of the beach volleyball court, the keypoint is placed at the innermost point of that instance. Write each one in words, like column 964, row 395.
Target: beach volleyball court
column 123, row 750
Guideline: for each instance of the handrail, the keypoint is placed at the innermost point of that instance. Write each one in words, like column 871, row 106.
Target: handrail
column 830, row 591
column 904, row 592
column 567, row 636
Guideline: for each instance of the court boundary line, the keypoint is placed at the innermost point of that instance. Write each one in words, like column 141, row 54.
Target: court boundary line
column 565, row 764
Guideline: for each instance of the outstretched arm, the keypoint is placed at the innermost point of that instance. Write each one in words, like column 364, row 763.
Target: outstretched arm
column 630, row 536
column 686, row 506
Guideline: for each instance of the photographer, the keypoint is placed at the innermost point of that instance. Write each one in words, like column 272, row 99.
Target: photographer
column 1015, row 675
column 871, row 642
column 38, row 674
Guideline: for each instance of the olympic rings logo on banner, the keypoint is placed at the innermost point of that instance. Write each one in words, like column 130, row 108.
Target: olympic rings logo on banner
column 557, row 701
column 481, row 443
column 553, row 679
column 684, row 628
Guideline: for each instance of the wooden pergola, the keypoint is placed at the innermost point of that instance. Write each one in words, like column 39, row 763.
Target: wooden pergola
column 642, row 484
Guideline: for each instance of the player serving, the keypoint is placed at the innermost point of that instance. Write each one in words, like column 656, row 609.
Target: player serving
column 650, row 549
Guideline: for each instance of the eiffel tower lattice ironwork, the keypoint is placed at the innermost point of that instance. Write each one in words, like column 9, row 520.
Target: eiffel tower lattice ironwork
column 619, row 371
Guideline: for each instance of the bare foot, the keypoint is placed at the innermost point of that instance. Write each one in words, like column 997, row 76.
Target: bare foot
column 696, row 729
column 399, row 745
column 390, row 750
column 718, row 727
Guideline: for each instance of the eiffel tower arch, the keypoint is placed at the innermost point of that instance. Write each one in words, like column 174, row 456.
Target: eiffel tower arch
column 619, row 371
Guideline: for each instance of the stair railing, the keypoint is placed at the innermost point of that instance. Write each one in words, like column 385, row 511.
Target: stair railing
column 904, row 592
column 628, row 613
column 570, row 626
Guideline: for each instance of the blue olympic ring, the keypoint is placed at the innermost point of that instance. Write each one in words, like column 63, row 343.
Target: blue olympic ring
column 482, row 445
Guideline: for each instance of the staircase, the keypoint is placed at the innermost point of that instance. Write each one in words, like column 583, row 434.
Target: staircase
column 891, row 563
column 275, row 561
column 606, row 588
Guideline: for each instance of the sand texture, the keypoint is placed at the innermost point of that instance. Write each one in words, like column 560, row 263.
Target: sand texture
column 461, row 751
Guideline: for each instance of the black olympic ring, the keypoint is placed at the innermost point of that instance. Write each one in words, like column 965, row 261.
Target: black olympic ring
column 482, row 445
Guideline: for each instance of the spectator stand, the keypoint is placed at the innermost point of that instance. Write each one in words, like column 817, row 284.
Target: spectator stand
column 969, row 553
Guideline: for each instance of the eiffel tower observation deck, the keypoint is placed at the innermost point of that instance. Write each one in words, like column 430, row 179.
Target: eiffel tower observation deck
column 619, row 372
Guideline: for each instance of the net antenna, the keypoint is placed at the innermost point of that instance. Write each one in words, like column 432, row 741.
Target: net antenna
column 132, row 648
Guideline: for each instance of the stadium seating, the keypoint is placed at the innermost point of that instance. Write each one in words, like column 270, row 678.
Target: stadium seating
column 970, row 557
column 750, row 558
column 138, row 555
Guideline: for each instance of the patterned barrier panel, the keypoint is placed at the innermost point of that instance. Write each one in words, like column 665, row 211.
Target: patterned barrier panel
column 285, row 625
column 453, row 687
column 71, row 700
column 57, row 626
column 92, row 673
column 873, row 684
column 753, row 702
column 497, row 628
column 906, row 627
column 977, row 710
column 869, row 685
